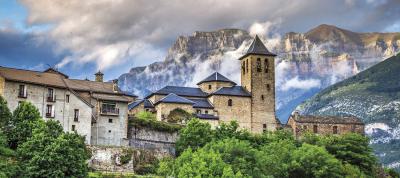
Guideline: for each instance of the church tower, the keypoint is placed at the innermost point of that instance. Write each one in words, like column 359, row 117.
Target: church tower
column 258, row 78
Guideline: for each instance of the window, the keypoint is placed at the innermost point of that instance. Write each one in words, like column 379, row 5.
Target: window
column 198, row 111
column 230, row 102
column 110, row 120
column 268, row 87
column 305, row 127
column 264, row 127
column 67, row 98
column 262, row 97
column 109, row 108
column 50, row 95
column 209, row 87
column 206, row 112
column 315, row 129
column 49, row 111
column 109, row 131
column 22, row 91
column 335, row 130
column 258, row 65
column 266, row 67
column 76, row 115
column 73, row 128
column 243, row 69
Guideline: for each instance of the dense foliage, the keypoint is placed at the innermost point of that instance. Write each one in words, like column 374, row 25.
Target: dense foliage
column 178, row 115
column 148, row 119
column 31, row 147
column 273, row 154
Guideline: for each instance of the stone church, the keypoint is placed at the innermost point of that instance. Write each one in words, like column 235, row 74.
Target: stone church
column 218, row 99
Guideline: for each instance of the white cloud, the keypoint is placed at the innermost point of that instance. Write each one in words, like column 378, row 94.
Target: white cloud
column 296, row 83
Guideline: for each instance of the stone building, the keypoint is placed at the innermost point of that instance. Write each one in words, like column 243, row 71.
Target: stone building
column 324, row 125
column 96, row 109
column 218, row 99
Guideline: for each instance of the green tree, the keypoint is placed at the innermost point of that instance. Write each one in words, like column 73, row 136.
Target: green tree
column 52, row 153
column 8, row 167
column 314, row 161
column 352, row 149
column 239, row 154
column 5, row 115
column 178, row 115
column 25, row 118
column 195, row 135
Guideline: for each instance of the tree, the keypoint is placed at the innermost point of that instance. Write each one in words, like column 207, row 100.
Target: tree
column 8, row 167
column 314, row 161
column 352, row 149
column 178, row 115
column 195, row 135
column 25, row 118
column 52, row 153
column 5, row 115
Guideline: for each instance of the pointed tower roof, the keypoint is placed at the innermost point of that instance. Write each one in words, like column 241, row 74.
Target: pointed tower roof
column 258, row 47
column 216, row 77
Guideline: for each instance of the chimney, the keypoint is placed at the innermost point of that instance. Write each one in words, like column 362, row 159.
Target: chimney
column 99, row 76
column 115, row 85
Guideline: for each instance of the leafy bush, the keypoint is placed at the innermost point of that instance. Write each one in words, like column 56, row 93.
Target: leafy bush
column 147, row 119
column 196, row 134
column 179, row 115
column 126, row 156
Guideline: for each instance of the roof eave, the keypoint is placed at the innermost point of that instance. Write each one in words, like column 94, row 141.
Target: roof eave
column 247, row 54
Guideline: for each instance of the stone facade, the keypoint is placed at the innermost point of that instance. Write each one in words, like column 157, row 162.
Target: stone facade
column 324, row 125
column 258, row 77
column 163, row 109
column 210, row 87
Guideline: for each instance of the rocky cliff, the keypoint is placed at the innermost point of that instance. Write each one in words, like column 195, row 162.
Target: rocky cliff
column 306, row 62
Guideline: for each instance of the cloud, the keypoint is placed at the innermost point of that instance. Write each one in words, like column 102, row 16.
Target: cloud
column 113, row 33
column 296, row 83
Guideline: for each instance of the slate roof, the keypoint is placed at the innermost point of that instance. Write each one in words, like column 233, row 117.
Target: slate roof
column 108, row 97
column 207, row 117
column 232, row 91
column 258, row 47
column 181, row 91
column 202, row 103
column 147, row 104
column 327, row 119
column 216, row 77
column 53, row 78
column 173, row 98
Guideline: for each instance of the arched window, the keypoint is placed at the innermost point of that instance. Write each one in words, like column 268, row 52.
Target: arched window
column 230, row 102
column 268, row 87
column 209, row 87
column 266, row 67
column 262, row 97
column 259, row 65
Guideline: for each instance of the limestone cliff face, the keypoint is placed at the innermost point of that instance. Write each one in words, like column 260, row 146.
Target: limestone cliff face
column 325, row 53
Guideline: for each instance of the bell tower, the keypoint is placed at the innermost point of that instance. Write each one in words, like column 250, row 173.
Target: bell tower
column 258, row 78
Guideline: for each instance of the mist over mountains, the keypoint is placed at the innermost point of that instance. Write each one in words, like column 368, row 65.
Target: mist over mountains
column 306, row 62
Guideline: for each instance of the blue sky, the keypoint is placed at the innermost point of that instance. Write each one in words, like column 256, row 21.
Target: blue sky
column 82, row 37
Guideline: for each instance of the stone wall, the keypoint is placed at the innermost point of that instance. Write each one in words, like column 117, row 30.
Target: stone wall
column 163, row 109
column 214, row 86
column 161, row 143
column 324, row 128
column 239, row 111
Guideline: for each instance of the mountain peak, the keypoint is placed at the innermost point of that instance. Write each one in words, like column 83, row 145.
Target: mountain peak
column 324, row 33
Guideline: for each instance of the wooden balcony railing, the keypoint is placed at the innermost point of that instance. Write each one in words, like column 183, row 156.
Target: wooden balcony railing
column 109, row 111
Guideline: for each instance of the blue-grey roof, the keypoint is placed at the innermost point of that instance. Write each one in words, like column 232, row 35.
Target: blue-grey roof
column 173, row 98
column 202, row 103
column 181, row 91
column 232, row 91
column 207, row 116
column 147, row 104
column 258, row 47
column 216, row 77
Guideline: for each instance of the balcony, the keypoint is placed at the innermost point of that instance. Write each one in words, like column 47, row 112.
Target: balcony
column 22, row 95
column 51, row 98
column 49, row 115
column 109, row 111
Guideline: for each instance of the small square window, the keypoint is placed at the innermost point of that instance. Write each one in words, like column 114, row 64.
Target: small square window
column 209, row 87
column 109, row 131
column 73, row 128
column 110, row 120
column 206, row 112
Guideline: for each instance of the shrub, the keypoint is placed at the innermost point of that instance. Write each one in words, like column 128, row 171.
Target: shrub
column 178, row 115
column 147, row 119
